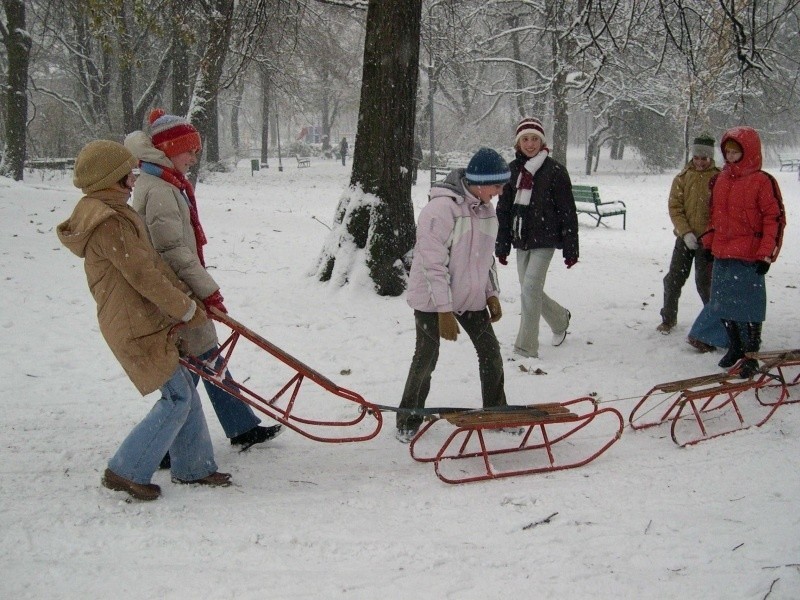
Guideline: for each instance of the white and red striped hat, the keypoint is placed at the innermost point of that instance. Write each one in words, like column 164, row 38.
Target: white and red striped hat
column 173, row 134
column 530, row 125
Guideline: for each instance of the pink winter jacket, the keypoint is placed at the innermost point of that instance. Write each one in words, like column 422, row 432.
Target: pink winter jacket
column 453, row 268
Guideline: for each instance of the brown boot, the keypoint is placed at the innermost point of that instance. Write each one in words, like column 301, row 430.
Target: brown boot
column 216, row 479
column 140, row 491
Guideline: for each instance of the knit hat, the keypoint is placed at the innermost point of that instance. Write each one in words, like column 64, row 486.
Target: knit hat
column 530, row 125
column 172, row 134
column 487, row 167
column 100, row 164
column 703, row 146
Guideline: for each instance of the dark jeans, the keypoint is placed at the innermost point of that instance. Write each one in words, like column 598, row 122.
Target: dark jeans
column 679, row 268
column 490, row 364
column 235, row 416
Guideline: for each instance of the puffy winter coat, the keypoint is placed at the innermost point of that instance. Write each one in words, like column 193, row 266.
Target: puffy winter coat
column 549, row 221
column 453, row 266
column 746, row 214
column 165, row 211
column 138, row 297
column 689, row 199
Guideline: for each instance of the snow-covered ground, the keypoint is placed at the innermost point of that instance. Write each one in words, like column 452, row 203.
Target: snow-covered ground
column 305, row 519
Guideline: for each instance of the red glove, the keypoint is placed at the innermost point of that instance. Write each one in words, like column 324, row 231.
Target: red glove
column 215, row 300
column 570, row 262
column 503, row 260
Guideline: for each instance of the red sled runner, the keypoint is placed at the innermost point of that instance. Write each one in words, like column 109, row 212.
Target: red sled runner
column 490, row 444
column 710, row 406
column 315, row 417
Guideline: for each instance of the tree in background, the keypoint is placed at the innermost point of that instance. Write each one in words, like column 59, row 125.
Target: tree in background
column 376, row 214
column 18, row 47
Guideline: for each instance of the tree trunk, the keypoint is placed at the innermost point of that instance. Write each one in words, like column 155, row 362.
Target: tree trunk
column 265, row 100
column 235, row 109
column 211, row 135
column 181, row 84
column 381, row 219
column 202, row 113
column 18, row 48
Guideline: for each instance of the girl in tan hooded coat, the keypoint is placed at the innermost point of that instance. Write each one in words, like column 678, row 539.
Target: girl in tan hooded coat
column 139, row 303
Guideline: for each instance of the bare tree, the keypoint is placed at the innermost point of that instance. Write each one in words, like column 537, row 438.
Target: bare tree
column 18, row 46
column 376, row 213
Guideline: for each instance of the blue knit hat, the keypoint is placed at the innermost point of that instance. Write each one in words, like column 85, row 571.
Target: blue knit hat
column 487, row 167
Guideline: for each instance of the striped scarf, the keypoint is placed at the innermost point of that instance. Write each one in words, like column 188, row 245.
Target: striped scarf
column 177, row 179
column 525, row 187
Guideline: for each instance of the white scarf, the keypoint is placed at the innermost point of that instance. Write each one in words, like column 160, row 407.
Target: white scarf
column 523, row 197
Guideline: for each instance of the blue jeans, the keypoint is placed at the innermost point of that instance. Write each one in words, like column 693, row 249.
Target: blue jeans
column 235, row 416
column 175, row 424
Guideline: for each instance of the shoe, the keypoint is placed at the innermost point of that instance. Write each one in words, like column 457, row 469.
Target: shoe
column 216, row 479
column 166, row 462
column 701, row 347
column 665, row 328
column 256, row 435
column 558, row 338
column 404, row 436
column 140, row 491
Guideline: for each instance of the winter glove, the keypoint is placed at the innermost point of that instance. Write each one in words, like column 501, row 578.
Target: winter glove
column 215, row 300
column 503, row 260
column 448, row 326
column 762, row 266
column 690, row 240
column 570, row 262
column 197, row 319
column 495, row 312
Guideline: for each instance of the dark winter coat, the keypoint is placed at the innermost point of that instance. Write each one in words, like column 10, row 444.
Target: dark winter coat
column 746, row 214
column 549, row 221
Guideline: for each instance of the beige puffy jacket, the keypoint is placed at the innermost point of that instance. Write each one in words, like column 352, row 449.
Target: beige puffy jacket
column 165, row 212
column 138, row 297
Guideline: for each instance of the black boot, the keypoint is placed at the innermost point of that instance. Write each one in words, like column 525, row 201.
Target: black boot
column 751, row 342
column 735, row 351
column 256, row 435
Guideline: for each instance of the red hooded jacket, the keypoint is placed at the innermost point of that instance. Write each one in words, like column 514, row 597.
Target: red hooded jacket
column 747, row 215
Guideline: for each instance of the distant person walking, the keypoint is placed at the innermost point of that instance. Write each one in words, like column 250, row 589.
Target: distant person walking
column 343, row 147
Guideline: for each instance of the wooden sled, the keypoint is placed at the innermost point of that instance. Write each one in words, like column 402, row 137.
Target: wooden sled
column 482, row 446
column 284, row 405
column 780, row 371
column 706, row 407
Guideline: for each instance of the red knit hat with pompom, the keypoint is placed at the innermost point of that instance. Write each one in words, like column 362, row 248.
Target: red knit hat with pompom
column 172, row 134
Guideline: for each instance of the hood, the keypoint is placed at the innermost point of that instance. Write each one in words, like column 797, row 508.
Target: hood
column 141, row 146
column 748, row 139
column 90, row 211
column 453, row 185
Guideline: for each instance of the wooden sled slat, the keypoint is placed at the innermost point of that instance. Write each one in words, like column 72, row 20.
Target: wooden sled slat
column 477, row 439
column 699, row 401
